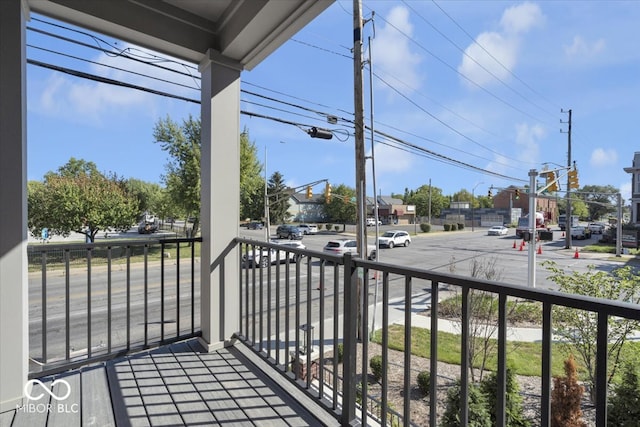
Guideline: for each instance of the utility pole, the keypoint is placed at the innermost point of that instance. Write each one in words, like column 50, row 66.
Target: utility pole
column 361, row 188
column 569, row 221
column 533, row 232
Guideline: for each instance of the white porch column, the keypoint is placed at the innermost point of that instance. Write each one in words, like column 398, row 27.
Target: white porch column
column 220, row 197
column 14, row 330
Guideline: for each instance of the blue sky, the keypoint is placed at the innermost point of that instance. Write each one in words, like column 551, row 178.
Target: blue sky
column 479, row 85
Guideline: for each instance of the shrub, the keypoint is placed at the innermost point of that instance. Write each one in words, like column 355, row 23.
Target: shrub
column 478, row 414
column 425, row 227
column 514, row 413
column 340, row 353
column 320, row 227
column 454, row 227
column 566, row 397
column 376, row 367
column 328, row 226
column 424, row 382
column 460, row 226
column 336, row 227
column 447, row 227
column 624, row 404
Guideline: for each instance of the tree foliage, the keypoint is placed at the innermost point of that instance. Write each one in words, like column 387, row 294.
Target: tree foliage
column 148, row 195
column 80, row 199
column 624, row 404
column 420, row 198
column 182, row 177
column 251, row 180
column 578, row 328
column 514, row 414
column 565, row 398
column 340, row 208
column 478, row 413
column 601, row 200
column 278, row 199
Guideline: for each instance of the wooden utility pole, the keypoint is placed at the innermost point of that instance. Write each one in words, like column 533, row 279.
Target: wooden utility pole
column 358, row 103
column 568, row 221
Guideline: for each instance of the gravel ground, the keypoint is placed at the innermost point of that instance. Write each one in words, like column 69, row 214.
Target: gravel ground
column 447, row 374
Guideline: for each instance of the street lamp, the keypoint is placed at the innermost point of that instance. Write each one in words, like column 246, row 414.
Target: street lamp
column 473, row 191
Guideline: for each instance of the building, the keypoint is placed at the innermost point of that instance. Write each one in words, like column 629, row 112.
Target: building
column 634, row 170
column 508, row 198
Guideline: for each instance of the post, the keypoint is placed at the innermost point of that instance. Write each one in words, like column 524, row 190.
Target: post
column 532, row 228
column 569, row 221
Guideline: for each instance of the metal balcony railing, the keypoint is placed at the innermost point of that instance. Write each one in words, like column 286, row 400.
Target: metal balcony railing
column 307, row 313
column 91, row 302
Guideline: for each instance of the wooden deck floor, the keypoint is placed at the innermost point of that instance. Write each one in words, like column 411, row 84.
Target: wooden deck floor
column 176, row 385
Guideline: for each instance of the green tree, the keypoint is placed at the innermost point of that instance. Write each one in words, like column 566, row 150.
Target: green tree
column 251, row 180
column 578, row 328
column 513, row 406
column 478, row 413
column 462, row 196
column 76, row 201
column 75, row 168
column 421, row 196
column 278, row 199
column 340, row 209
column 624, row 404
column 182, row 177
column 148, row 195
column 601, row 200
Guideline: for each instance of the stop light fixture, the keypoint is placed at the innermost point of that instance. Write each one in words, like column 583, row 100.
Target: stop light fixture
column 573, row 178
column 490, row 194
column 327, row 192
column 552, row 183
column 309, row 192
column 517, row 193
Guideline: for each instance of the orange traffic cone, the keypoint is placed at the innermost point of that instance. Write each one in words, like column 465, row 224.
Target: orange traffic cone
column 539, row 249
column 522, row 246
column 576, row 255
column 514, row 244
column 563, row 234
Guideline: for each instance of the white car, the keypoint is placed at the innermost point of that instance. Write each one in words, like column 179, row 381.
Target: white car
column 343, row 246
column 372, row 221
column 393, row 238
column 265, row 256
column 498, row 230
column 308, row 228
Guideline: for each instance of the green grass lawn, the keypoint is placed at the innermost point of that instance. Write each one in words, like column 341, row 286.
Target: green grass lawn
column 524, row 357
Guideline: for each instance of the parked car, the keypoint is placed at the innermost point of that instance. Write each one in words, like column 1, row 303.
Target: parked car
column 255, row 225
column 265, row 256
column 498, row 230
column 308, row 228
column 372, row 222
column 393, row 238
column 343, row 246
column 286, row 231
column 596, row 228
column 580, row 233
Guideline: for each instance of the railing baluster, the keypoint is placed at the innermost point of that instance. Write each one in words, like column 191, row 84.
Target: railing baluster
column 177, row 290
column 433, row 355
column 277, row 316
column 43, row 263
column 336, row 331
column 501, row 388
column 408, row 300
column 321, row 330
column 601, row 368
column 545, row 404
column 193, row 287
column 385, row 341
column 363, row 282
column 146, row 294
column 350, row 312
column 128, row 297
column 67, row 311
column 162, row 250
column 109, row 255
column 464, row 359
column 89, row 302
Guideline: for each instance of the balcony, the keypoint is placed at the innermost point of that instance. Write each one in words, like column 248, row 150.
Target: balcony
column 120, row 324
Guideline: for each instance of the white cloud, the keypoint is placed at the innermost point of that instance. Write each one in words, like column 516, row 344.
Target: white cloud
column 521, row 18
column 495, row 53
column 581, row 48
column 390, row 160
column 625, row 191
column 603, row 157
column 527, row 141
column 392, row 52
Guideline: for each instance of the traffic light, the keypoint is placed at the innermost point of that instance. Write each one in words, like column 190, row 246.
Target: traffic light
column 490, row 194
column 309, row 192
column 327, row 192
column 552, row 182
column 517, row 193
column 573, row 178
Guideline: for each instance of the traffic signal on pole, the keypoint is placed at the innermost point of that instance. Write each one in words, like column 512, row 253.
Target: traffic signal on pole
column 552, row 182
column 327, row 192
column 517, row 193
column 490, row 194
column 573, row 179
column 309, row 192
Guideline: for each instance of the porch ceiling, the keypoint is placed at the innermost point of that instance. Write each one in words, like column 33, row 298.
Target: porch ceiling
column 245, row 31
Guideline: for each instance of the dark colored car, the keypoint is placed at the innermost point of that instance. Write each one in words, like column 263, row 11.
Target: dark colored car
column 290, row 232
column 255, row 226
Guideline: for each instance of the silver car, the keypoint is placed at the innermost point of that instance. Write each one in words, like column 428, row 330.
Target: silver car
column 393, row 238
column 343, row 246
